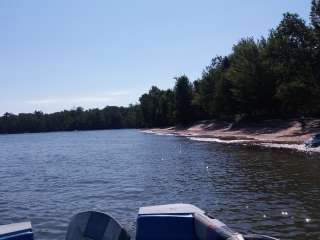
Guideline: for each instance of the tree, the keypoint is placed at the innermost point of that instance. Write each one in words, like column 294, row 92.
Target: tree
column 315, row 19
column 206, row 86
column 213, row 90
column 150, row 107
column 290, row 50
column 251, row 87
column 315, row 14
column 197, row 106
column 183, row 99
column 167, row 108
column 157, row 107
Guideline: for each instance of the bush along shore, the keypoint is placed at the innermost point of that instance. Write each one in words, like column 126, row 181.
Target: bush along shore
column 268, row 78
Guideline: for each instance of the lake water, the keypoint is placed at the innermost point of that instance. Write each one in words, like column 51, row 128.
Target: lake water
column 49, row 177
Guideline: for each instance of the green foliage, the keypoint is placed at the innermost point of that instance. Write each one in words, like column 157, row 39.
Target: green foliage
column 183, row 99
column 246, row 74
column 157, row 107
column 315, row 19
column 76, row 119
column 214, row 89
column 290, row 53
column 206, row 86
column 315, row 14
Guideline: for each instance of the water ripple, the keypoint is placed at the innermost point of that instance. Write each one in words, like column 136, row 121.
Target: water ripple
column 47, row 178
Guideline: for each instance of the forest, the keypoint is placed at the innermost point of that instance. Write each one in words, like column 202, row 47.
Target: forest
column 273, row 77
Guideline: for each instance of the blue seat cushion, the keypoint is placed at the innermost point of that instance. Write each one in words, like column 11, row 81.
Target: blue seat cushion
column 165, row 227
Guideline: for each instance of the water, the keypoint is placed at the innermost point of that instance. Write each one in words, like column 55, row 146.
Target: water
column 48, row 177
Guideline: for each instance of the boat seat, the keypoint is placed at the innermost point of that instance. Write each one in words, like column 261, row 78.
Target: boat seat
column 16, row 231
column 207, row 228
column 165, row 227
column 95, row 226
column 184, row 222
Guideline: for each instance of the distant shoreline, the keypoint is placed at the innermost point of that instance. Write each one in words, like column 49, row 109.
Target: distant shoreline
column 289, row 134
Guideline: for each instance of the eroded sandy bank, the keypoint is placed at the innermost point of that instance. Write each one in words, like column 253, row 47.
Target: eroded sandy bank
column 272, row 133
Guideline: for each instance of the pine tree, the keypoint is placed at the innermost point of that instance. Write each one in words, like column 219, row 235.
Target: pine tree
column 315, row 14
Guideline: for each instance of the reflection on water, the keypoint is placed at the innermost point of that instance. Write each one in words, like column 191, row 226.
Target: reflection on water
column 49, row 177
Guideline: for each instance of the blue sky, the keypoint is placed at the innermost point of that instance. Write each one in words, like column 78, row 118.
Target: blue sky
column 60, row 54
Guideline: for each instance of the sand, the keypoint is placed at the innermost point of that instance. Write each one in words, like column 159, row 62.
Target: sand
column 269, row 133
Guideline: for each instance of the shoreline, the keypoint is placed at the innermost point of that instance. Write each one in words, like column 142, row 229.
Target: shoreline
column 269, row 133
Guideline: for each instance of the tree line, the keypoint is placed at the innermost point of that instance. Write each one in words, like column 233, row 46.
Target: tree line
column 76, row 119
column 273, row 77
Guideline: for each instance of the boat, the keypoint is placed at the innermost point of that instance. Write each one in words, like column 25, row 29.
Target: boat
column 159, row 222
column 313, row 142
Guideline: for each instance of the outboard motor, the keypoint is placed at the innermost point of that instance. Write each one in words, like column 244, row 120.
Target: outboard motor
column 95, row 226
column 86, row 225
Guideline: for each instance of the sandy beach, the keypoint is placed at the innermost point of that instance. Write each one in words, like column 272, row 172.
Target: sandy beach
column 270, row 133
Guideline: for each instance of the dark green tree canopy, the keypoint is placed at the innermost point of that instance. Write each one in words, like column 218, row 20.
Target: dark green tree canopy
column 315, row 14
column 290, row 51
column 183, row 99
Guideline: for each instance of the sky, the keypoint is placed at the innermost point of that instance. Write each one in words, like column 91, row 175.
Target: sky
column 61, row 54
